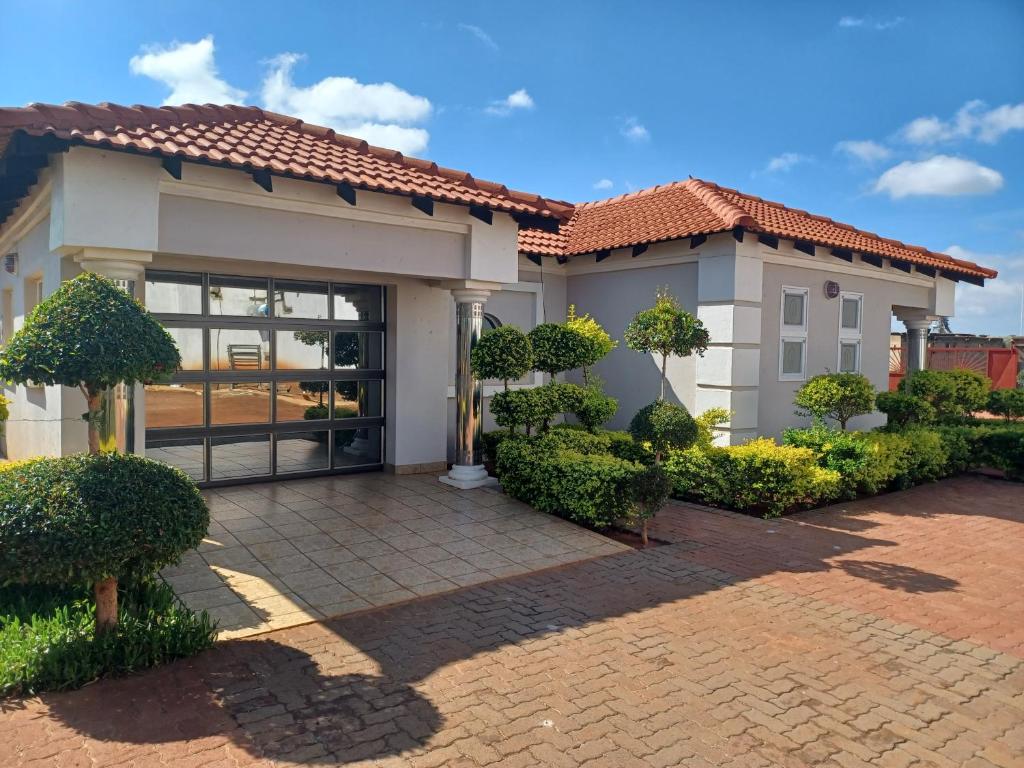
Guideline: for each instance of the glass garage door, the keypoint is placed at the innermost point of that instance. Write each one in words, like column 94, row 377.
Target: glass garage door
column 279, row 378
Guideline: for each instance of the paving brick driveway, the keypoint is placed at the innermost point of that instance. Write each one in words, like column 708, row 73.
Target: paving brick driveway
column 882, row 633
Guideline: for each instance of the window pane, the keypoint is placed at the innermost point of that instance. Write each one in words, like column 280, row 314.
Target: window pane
column 357, row 350
column 239, row 349
column 178, row 294
column 792, row 357
column 304, row 349
column 234, row 457
column 238, row 296
column 851, row 313
column 358, row 302
column 174, row 405
column 303, row 400
column 239, row 402
column 302, row 451
column 793, row 309
column 190, row 344
column 848, row 357
column 357, row 398
column 186, row 454
column 355, row 447
column 300, row 300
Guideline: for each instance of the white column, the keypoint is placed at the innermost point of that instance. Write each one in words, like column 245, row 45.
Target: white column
column 468, row 470
column 122, row 414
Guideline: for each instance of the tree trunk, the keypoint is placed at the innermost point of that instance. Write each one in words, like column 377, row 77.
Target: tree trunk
column 94, row 401
column 586, row 377
column 106, row 605
column 664, row 363
column 643, row 532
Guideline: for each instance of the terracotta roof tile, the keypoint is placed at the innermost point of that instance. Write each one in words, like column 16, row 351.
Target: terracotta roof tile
column 251, row 138
column 695, row 207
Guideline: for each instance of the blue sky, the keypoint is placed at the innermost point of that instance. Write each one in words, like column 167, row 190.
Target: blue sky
column 903, row 118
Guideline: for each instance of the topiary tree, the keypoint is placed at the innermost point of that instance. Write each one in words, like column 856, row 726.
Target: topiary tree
column 972, row 390
column 593, row 408
column 598, row 340
column 504, row 353
column 953, row 394
column 651, row 488
column 903, row 410
column 1008, row 403
column 92, row 335
column 665, row 426
column 839, row 396
column 666, row 329
column 95, row 519
column 557, row 348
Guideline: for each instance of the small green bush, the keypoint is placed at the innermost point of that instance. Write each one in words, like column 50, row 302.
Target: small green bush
column 838, row 396
column 504, row 353
column 1008, row 403
column 910, row 457
column 566, row 473
column 340, row 412
column 758, row 476
column 1003, row 449
column 904, row 410
column 622, row 445
column 706, row 423
column 665, row 426
column 954, row 395
column 82, row 519
column 557, row 348
column 48, row 636
column 846, row 453
column 971, row 391
column 594, row 408
column 651, row 489
column 515, row 408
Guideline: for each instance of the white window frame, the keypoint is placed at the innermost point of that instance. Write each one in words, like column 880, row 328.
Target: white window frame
column 850, row 335
column 793, row 333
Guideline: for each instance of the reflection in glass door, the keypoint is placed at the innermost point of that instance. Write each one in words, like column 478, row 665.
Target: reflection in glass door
column 279, row 378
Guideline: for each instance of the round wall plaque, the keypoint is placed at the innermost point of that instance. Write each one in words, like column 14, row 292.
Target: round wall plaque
column 831, row 289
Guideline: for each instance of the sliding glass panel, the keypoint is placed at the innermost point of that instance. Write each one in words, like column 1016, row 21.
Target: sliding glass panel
column 300, row 300
column 239, row 402
column 357, row 398
column 355, row 447
column 174, row 405
column 190, row 345
column 358, row 302
column 239, row 349
column 174, row 293
column 235, row 457
column 303, row 400
column 358, row 350
column 302, row 451
column 302, row 349
column 187, row 454
column 238, row 296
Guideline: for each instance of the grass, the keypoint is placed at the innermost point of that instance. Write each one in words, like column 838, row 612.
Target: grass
column 48, row 642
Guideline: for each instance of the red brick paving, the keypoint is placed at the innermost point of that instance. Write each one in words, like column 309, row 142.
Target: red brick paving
column 732, row 646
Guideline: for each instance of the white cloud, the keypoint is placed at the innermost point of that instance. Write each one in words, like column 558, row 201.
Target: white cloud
column 516, row 100
column 188, row 69
column 785, row 161
column 994, row 309
column 380, row 113
column 849, row 22
column 480, row 35
column 939, row 175
column 603, row 184
column 634, row 130
column 972, row 120
column 865, row 151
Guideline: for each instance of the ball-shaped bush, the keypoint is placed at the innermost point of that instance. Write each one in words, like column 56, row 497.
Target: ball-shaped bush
column 86, row 518
column 665, row 426
column 504, row 353
column 558, row 348
column 839, row 396
column 594, row 408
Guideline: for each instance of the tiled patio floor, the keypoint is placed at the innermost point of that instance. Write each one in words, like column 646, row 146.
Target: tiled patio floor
column 285, row 553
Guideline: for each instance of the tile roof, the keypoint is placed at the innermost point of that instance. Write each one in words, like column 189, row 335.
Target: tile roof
column 694, row 207
column 250, row 138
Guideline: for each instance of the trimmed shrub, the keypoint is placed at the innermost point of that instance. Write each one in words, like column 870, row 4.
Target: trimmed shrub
column 908, row 458
column 48, row 640
column 651, row 489
column 706, row 423
column 564, row 472
column 623, row 446
column 1003, row 449
column 1008, row 403
column 758, row 476
column 666, row 329
column 4, row 412
column 971, row 391
column 504, row 353
column 904, row 410
column 340, row 412
column 838, row 396
column 594, row 408
column 94, row 519
column 557, row 348
column 846, row 453
column 954, row 395
column 598, row 340
column 515, row 408
column 665, row 426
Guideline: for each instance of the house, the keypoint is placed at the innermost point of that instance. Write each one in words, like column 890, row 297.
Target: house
column 325, row 293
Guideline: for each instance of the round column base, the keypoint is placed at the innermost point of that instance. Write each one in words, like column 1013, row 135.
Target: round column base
column 465, row 477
